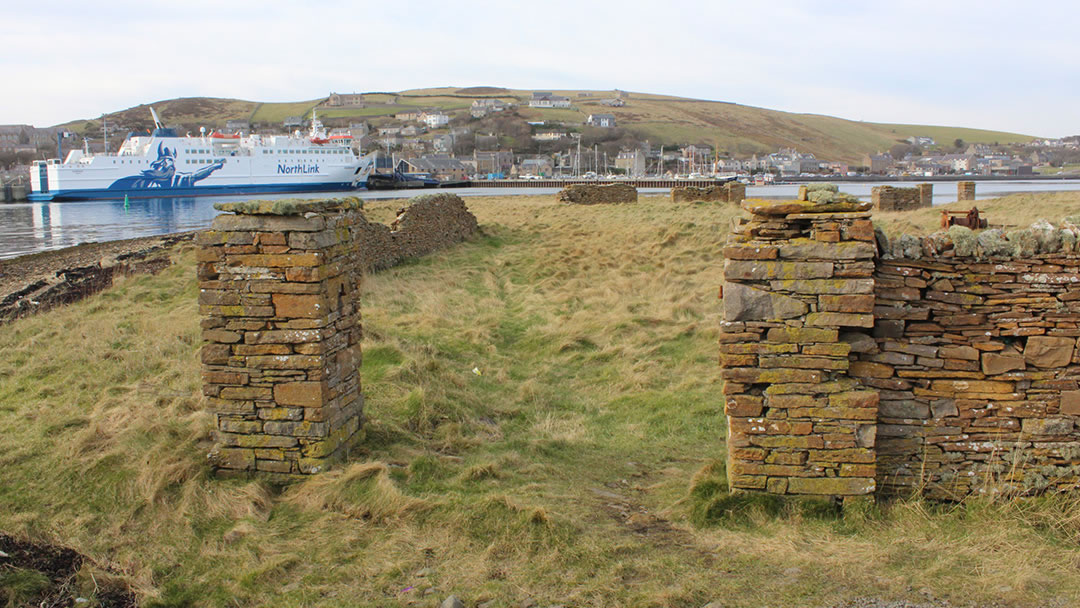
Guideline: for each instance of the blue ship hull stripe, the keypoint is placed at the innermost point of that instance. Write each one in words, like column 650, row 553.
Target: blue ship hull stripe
column 175, row 192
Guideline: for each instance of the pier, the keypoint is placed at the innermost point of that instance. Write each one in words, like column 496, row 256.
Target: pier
column 561, row 183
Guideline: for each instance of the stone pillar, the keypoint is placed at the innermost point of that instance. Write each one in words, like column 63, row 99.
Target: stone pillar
column 278, row 293
column 736, row 191
column 798, row 290
column 926, row 195
column 965, row 191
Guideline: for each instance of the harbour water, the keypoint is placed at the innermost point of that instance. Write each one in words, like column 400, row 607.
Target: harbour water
column 32, row 227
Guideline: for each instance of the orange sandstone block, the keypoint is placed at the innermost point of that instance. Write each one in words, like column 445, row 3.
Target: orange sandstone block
column 306, row 306
column 301, row 394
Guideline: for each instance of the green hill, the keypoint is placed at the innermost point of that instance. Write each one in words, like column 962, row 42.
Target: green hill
column 736, row 129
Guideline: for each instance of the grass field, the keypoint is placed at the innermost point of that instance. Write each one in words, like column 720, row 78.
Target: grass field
column 278, row 112
column 544, row 421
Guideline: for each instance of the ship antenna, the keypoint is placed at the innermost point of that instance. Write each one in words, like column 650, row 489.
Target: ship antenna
column 157, row 121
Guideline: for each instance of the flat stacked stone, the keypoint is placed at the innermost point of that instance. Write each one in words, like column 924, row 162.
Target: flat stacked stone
column 281, row 317
column 976, row 364
column 593, row 194
column 965, row 191
column 729, row 192
column 798, row 277
column 891, row 198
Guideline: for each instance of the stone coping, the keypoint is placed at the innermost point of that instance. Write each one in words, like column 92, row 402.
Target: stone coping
column 766, row 207
column 290, row 206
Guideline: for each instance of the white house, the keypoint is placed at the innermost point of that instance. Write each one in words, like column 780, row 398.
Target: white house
column 544, row 99
column 434, row 120
column 601, row 120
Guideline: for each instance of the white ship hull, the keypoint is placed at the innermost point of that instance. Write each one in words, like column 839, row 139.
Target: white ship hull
column 164, row 165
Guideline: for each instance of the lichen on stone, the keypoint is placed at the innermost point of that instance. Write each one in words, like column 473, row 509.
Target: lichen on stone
column 993, row 243
column 829, row 196
column 289, row 206
column 1070, row 235
column 964, row 240
column 1048, row 237
column 823, row 186
column 1024, row 242
column 908, row 246
column 936, row 243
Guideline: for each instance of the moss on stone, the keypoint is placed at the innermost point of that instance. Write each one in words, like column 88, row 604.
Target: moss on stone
column 823, row 186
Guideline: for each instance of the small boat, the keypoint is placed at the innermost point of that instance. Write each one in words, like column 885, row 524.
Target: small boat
column 400, row 181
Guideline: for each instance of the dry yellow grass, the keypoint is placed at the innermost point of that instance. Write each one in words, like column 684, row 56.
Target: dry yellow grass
column 559, row 472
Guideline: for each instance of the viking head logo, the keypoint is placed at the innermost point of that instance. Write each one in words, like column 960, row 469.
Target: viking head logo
column 165, row 165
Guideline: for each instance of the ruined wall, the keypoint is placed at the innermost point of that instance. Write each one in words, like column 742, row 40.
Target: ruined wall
column 592, row 194
column 891, row 198
column 428, row 223
column 968, row 379
column 965, row 191
column 975, row 360
column 729, row 192
column 279, row 295
column 797, row 281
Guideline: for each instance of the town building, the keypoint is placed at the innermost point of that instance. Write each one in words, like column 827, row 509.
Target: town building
column 632, row 163
column 493, row 161
column 434, row 120
column 408, row 115
column 337, row 100
column 878, row 163
column 439, row 166
column 483, row 107
column 606, row 121
column 536, row 165
column 544, row 99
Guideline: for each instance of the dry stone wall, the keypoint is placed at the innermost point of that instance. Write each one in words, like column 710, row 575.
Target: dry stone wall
column 975, row 360
column 279, row 296
column 729, row 192
column 593, row 194
column 946, row 365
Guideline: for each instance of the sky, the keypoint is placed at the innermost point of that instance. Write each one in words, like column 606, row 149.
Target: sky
column 1009, row 66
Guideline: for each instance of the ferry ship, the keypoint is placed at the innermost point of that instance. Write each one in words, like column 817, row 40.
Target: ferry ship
column 163, row 164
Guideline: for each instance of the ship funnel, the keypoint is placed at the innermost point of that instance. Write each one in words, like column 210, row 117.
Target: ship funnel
column 157, row 121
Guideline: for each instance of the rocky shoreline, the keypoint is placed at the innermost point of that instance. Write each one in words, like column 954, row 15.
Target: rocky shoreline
column 37, row 282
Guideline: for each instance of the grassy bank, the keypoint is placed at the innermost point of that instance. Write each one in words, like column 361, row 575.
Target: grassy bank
column 544, row 422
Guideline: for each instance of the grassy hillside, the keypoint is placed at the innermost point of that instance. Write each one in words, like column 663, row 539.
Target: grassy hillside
column 663, row 120
column 947, row 135
column 544, row 421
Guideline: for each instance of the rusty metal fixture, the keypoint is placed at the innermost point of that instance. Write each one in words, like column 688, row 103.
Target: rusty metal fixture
column 968, row 218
